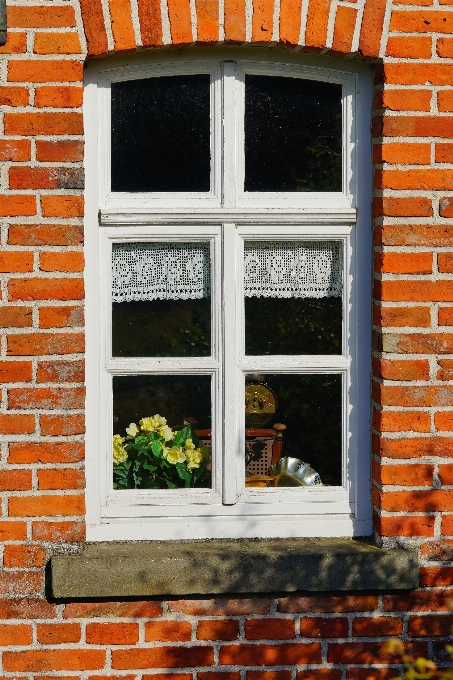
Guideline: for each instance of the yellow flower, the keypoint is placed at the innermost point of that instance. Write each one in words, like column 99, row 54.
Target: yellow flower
column 189, row 444
column 166, row 432
column 160, row 420
column 147, row 424
column 119, row 452
column 193, row 457
column 132, row 431
column 155, row 423
column 174, row 454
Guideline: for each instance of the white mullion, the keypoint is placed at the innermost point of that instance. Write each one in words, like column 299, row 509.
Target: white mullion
column 298, row 364
column 233, row 422
column 229, row 103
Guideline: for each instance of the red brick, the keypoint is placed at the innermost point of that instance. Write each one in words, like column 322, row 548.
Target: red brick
column 39, row 506
column 46, row 397
column 393, row 395
column 270, row 655
column 419, row 180
column 220, row 606
column 393, row 369
column 371, row 29
column 58, row 531
column 404, row 263
column 57, row 425
column 17, row 205
column 445, row 100
column 318, row 604
column 436, row 576
column 11, row 635
column 414, row 448
column 112, row 633
column 402, row 207
column 43, row 123
column 45, row 289
column 421, row 21
column 377, row 627
column 418, row 343
column 45, row 235
column 446, row 207
column 62, row 206
column 15, row 480
column 61, row 317
column 414, row 235
column 53, row 660
column 168, row 631
column 27, row 608
column 430, row 626
column 401, row 421
column 14, row 96
column 60, row 371
column 40, row 17
column 444, row 153
column 345, row 21
column 93, row 23
column 446, row 474
column 122, row 27
column 410, row 47
column 47, row 452
column 56, row 43
column 447, row 526
column 444, row 47
column 38, row 344
column 62, row 262
column 61, row 479
column 365, row 653
column 417, row 501
column 150, row 23
column 418, row 600
column 16, row 371
column 317, row 20
column 214, row 629
column 445, row 262
column 19, row 317
column 406, row 526
column 21, row 582
column 24, row 556
column 269, row 629
column 11, row 261
column 440, row 551
column 402, row 154
column 320, row 674
column 402, row 316
column 207, row 21
column 443, row 421
column 12, row 531
column 234, row 18
column 58, row 633
column 16, row 43
column 268, row 675
column 17, row 424
column 415, row 126
column 145, row 609
column 262, row 21
column 45, row 71
column 24, row 177
column 162, row 657
column 58, row 98
column 317, row 627
column 180, row 22
column 15, row 150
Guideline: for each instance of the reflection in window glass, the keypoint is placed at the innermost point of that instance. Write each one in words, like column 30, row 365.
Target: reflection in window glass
column 161, row 296
column 309, row 407
column 293, row 134
column 154, row 443
column 293, row 297
column 161, row 134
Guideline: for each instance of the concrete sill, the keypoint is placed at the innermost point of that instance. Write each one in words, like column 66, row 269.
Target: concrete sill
column 236, row 566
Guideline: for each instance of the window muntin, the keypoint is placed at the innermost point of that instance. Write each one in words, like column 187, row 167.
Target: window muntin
column 281, row 219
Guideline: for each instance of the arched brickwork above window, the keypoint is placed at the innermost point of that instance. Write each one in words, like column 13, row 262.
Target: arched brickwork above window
column 322, row 26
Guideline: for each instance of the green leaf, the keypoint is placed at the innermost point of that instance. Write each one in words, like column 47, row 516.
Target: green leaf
column 156, row 448
column 196, row 474
column 181, row 436
column 184, row 473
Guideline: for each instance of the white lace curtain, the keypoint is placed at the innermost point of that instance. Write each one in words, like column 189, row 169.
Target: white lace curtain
column 182, row 271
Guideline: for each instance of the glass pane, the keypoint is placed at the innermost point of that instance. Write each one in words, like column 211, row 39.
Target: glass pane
column 307, row 414
column 293, row 297
column 154, row 422
column 161, row 296
column 161, row 134
column 293, row 134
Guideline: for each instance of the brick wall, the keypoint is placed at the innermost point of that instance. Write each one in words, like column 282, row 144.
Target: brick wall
column 336, row 637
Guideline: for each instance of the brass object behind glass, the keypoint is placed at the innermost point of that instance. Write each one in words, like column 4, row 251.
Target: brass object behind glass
column 260, row 403
column 294, row 472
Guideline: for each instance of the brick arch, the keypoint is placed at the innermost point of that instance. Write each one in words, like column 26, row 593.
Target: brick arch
column 330, row 26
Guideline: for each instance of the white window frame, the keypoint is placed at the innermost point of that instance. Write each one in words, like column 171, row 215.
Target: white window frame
column 226, row 217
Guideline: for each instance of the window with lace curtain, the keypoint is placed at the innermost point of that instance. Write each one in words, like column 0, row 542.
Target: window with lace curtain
column 228, row 246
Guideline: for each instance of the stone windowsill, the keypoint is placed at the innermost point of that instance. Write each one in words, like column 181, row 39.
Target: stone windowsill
column 154, row 568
